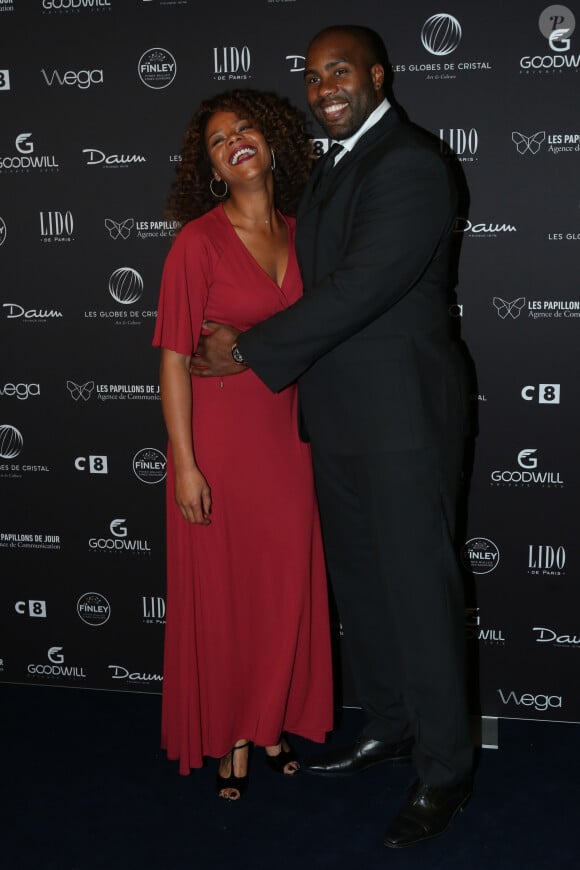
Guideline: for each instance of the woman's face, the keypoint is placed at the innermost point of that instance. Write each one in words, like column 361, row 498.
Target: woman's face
column 236, row 149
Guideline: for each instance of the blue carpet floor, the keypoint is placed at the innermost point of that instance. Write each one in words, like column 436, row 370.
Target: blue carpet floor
column 85, row 787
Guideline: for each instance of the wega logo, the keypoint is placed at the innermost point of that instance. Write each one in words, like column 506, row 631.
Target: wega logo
column 82, row 79
column 441, row 34
column 538, row 702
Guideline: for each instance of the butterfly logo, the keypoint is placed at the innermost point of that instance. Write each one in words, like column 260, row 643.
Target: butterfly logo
column 80, row 391
column 513, row 308
column 123, row 228
column 528, row 143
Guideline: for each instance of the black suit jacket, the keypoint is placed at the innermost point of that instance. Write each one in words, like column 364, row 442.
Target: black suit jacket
column 370, row 341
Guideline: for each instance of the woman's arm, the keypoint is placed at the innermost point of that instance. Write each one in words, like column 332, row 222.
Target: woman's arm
column 192, row 493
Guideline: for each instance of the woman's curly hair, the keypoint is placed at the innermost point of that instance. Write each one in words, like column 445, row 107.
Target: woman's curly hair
column 283, row 126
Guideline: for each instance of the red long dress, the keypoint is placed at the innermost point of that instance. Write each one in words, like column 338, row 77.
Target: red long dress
column 247, row 649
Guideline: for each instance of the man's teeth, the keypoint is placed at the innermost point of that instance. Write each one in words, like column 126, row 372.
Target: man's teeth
column 334, row 108
column 243, row 152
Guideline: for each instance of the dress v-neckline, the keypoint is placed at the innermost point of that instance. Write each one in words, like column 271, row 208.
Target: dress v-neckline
column 279, row 286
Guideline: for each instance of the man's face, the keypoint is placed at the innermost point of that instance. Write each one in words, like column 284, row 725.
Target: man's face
column 342, row 86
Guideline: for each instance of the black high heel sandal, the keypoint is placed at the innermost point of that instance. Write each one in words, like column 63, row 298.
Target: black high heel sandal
column 284, row 757
column 237, row 783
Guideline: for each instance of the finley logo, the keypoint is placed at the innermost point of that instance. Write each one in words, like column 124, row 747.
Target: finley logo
column 157, row 68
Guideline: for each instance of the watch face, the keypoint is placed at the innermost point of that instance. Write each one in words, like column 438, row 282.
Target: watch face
column 237, row 355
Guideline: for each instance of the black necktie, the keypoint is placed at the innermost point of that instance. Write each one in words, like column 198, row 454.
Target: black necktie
column 329, row 160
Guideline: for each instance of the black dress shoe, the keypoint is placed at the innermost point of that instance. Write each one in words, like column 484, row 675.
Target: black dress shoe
column 428, row 811
column 364, row 753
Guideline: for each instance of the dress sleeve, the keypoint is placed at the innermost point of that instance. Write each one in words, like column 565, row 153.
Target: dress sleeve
column 184, row 291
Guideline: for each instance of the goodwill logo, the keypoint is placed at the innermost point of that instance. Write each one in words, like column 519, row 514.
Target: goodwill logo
column 56, row 667
column 119, row 542
column 76, row 5
column 556, row 25
column 440, row 36
column 26, row 158
column 527, row 474
column 474, row 630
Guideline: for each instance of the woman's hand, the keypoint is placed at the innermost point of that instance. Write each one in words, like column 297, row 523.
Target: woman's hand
column 193, row 496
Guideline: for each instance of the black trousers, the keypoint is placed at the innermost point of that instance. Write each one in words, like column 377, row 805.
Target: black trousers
column 388, row 521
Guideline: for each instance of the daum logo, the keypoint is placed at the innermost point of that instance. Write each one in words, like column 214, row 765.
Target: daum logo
column 126, row 285
column 80, row 391
column 11, row 442
column 441, row 34
column 511, row 309
column 528, row 144
column 297, row 61
column 157, row 68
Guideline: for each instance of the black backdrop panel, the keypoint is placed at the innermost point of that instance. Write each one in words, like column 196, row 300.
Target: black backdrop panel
column 94, row 98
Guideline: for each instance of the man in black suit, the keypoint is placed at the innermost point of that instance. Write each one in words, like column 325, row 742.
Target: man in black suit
column 383, row 394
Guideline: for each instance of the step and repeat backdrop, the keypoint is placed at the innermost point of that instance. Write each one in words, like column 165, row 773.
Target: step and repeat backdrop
column 94, row 98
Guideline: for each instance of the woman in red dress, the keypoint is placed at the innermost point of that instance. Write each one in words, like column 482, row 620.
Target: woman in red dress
column 247, row 650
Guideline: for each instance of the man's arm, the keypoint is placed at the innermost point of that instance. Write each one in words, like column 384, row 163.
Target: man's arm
column 404, row 209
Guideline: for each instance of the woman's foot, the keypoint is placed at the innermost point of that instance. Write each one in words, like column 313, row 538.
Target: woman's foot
column 232, row 777
column 282, row 758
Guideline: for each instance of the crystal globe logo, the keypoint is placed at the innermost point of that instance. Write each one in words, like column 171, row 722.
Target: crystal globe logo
column 2, row 232
column 157, row 68
column 126, row 285
column 11, row 442
column 93, row 608
column 441, row 34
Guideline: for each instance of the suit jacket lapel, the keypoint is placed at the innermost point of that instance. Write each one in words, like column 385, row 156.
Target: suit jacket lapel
column 315, row 193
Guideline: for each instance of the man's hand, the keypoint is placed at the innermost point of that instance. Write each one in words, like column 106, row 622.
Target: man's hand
column 213, row 355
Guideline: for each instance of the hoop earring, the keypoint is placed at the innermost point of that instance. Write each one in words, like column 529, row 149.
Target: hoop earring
column 273, row 160
column 218, row 195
